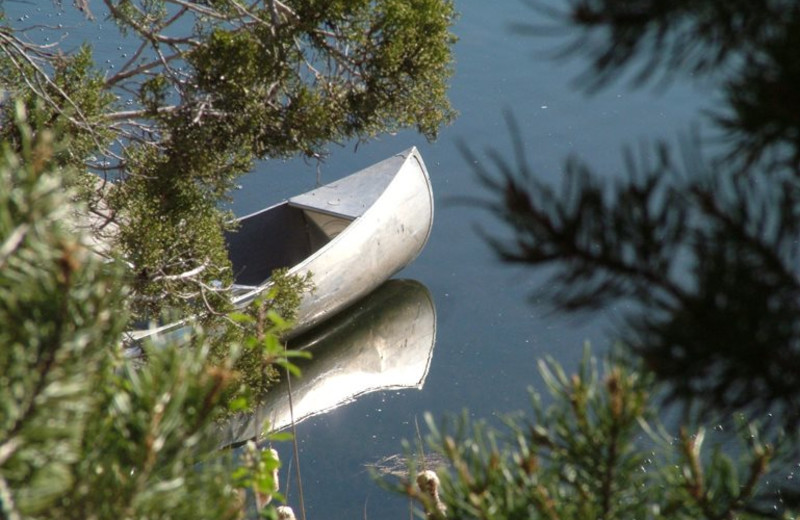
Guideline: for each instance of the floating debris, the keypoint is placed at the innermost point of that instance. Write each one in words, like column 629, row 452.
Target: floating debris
column 398, row 465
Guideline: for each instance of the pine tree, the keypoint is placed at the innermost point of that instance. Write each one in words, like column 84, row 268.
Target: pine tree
column 86, row 432
column 595, row 450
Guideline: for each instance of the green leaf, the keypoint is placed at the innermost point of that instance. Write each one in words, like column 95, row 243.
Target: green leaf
column 239, row 404
column 280, row 437
column 240, row 317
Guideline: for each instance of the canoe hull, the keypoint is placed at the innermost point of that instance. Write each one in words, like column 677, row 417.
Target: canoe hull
column 350, row 236
column 372, row 224
column 389, row 235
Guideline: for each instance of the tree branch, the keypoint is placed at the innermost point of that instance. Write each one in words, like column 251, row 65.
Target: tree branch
column 138, row 114
column 183, row 276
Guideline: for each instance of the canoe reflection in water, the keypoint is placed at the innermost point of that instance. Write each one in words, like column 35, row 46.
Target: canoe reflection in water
column 383, row 342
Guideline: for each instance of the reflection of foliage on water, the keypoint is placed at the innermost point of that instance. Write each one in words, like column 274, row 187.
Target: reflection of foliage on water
column 398, row 465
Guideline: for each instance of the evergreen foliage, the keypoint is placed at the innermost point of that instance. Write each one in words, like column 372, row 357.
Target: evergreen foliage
column 706, row 251
column 207, row 89
column 596, row 450
column 706, row 261
column 86, row 432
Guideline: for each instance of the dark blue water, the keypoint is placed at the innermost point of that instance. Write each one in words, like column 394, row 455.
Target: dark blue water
column 488, row 335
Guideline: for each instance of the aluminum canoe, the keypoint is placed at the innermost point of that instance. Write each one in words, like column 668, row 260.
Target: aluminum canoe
column 351, row 235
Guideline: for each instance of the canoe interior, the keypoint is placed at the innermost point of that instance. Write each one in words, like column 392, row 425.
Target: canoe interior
column 286, row 234
column 280, row 236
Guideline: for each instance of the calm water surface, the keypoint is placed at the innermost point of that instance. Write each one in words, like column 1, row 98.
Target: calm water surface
column 487, row 337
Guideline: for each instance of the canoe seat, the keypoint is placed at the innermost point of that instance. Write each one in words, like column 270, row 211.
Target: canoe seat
column 350, row 196
column 328, row 202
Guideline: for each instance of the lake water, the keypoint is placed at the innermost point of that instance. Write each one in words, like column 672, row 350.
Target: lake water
column 488, row 336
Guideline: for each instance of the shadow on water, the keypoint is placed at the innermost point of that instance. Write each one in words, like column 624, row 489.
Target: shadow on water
column 383, row 342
